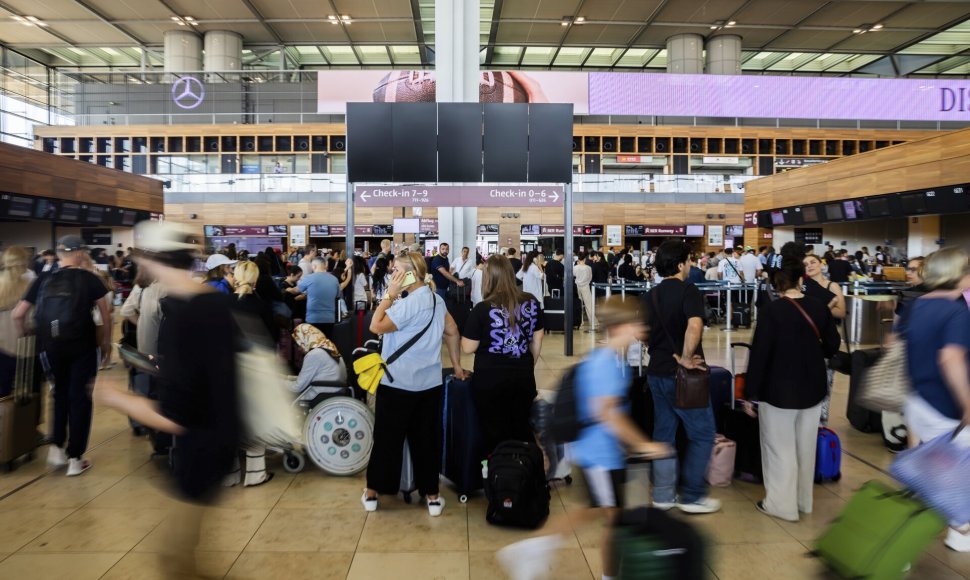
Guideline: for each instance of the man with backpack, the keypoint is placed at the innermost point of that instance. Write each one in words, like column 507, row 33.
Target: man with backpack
column 605, row 434
column 675, row 313
column 68, row 340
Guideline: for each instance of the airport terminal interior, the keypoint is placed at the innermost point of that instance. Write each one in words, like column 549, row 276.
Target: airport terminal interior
column 312, row 161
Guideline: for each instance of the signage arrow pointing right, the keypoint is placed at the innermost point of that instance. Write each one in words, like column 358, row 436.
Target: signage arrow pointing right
column 555, row 197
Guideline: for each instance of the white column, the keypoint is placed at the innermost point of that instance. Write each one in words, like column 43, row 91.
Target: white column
column 223, row 52
column 183, row 51
column 456, row 77
column 723, row 55
column 924, row 231
column 685, row 54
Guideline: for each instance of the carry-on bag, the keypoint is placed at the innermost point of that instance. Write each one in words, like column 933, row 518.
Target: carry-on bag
column 19, row 410
column 651, row 544
column 879, row 535
column 938, row 472
column 463, row 447
column 516, row 487
column 859, row 417
column 745, row 431
column 720, row 470
column 828, row 456
column 558, row 467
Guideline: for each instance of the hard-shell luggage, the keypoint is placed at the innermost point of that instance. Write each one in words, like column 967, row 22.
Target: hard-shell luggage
column 516, row 487
column 554, row 313
column 459, row 306
column 859, row 417
column 828, row 456
column 741, row 315
column 879, row 535
column 745, row 431
column 463, row 446
column 722, row 387
column 19, row 410
column 652, row 544
column 739, row 377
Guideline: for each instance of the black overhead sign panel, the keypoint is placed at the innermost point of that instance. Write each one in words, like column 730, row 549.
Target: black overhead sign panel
column 459, row 142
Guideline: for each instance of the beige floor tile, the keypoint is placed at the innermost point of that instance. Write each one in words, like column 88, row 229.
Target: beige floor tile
column 253, row 565
column 566, row 564
column 413, row 530
column 223, row 530
column 738, row 522
column 58, row 566
column 18, row 527
column 315, row 489
column 141, row 489
column 98, row 530
column 485, row 537
column 145, row 566
column 778, row 561
column 309, row 530
column 59, row 492
column 444, row 565
column 957, row 561
column 811, row 526
column 930, row 567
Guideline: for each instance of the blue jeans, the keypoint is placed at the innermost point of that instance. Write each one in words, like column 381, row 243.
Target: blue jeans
column 699, row 425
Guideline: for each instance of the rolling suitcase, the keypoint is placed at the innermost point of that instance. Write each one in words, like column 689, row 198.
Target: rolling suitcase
column 459, row 304
column 554, row 313
column 19, row 410
column 462, row 449
column 879, row 534
column 741, row 315
column 859, row 417
column 650, row 543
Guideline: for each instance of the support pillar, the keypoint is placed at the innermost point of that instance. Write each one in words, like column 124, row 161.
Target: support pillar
column 924, row 231
column 456, row 79
column 685, row 54
column 724, row 55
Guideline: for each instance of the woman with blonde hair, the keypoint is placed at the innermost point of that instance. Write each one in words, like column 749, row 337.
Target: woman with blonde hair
column 249, row 302
column 13, row 285
column 505, row 333
column 937, row 330
column 409, row 398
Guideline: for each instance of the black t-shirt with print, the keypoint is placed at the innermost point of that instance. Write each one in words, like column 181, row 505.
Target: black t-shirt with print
column 499, row 344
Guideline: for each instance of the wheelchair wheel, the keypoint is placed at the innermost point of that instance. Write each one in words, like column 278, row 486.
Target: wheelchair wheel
column 339, row 435
column 293, row 461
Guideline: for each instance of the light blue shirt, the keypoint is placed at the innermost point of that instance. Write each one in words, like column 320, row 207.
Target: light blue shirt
column 600, row 375
column 418, row 369
column 321, row 291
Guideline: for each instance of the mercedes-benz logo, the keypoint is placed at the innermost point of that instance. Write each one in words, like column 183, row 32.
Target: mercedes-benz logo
column 188, row 93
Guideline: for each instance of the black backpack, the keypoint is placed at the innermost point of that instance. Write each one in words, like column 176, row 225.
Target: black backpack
column 565, row 425
column 61, row 313
column 516, row 487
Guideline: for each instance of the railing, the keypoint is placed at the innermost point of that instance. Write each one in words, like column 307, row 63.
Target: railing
column 337, row 182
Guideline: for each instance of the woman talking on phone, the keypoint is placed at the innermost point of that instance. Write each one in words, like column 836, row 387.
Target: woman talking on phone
column 413, row 320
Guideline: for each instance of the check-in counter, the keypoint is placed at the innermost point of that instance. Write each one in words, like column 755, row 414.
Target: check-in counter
column 870, row 317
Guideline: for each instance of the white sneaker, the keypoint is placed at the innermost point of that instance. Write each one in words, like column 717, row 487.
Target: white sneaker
column 958, row 540
column 664, row 505
column 707, row 505
column 369, row 503
column 436, row 506
column 77, row 467
column 529, row 559
column 56, row 457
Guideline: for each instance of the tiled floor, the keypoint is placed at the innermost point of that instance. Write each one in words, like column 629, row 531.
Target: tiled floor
column 107, row 523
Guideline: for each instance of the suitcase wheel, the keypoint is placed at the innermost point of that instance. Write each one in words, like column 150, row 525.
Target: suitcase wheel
column 294, row 461
column 463, row 498
column 837, row 476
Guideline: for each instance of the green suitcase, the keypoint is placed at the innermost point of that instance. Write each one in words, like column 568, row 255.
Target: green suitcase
column 879, row 534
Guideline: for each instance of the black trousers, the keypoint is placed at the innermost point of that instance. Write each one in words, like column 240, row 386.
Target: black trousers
column 415, row 416
column 73, row 377
column 503, row 398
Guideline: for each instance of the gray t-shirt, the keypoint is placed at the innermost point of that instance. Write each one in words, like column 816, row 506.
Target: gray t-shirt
column 418, row 369
column 321, row 297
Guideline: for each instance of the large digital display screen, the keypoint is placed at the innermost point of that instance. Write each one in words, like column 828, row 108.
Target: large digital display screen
column 777, row 218
column 809, row 214
column 913, row 203
column 833, row 211
column 878, row 207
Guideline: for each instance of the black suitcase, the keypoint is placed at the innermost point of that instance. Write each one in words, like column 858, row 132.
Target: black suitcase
column 745, row 431
column 859, row 417
column 554, row 313
column 459, row 306
column 463, row 447
column 741, row 315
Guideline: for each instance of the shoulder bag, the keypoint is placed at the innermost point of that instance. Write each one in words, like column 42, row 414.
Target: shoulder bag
column 693, row 385
column 371, row 367
column 886, row 384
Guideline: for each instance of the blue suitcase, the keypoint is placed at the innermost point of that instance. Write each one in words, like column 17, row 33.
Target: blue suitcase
column 722, row 387
column 463, row 446
column 828, row 456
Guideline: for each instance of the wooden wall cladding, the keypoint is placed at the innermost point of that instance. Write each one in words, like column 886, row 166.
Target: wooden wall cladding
column 932, row 162
column 36, row 173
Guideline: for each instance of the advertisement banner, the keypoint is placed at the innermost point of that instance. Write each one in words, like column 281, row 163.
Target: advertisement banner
column 614, row 235
column 243, row 231
column 298, row 235
column 715, row 236
column 786, row 97
column 338, row 231
column 336, row 88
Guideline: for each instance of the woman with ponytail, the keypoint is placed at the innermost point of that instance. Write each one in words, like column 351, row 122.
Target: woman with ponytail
column 787, row 380
column 248, row 301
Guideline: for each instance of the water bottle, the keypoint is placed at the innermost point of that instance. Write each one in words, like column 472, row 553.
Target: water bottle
column 484, row 469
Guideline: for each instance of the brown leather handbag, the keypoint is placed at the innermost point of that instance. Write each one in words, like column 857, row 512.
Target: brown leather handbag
column 693, row 386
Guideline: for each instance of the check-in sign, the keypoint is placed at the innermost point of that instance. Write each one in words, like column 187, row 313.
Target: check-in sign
column 459, row 196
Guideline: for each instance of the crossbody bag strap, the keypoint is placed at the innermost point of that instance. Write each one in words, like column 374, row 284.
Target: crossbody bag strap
column 733, row 267
column 414, row 339
column 808, row 318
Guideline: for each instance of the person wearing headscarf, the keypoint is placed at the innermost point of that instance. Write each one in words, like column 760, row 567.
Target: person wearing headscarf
column 322, row 361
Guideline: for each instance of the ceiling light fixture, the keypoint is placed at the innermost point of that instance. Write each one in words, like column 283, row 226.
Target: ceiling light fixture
column 720, row 24
column 342, row 19
column 191, row 21
column 567, row 20
column 30, row 21
column 580, row 19
column 868, row 28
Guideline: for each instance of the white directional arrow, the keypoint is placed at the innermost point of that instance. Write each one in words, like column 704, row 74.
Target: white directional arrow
column 555, row 197
column 364, row 196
